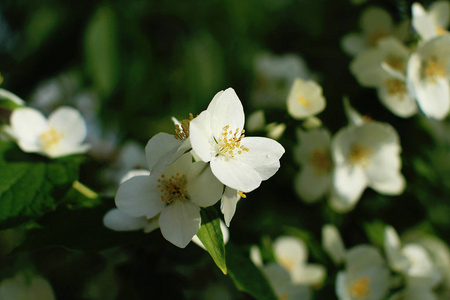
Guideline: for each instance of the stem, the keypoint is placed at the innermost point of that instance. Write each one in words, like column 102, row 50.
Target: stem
column 84, row 190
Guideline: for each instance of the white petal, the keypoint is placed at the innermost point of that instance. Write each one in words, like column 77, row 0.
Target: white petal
column 422, row 23
column 235, row 173
column 255, row 256
column 341, row 289
column 27, row 124
column 305, row 99
column 290, row 252
column 159, row 150
column 362, row 257
column 151, row 224
column 203, row 187
column 375, row 19
column 179, row 222
column 349, row 183
column 332, row 243
column 226, row 110
column 366, row 67
column 70, row 122
column 263, row 156
column 353, row 44
column 434, row 98
column 309, row 274
column 439, row 12
column 201, row 136
column 116, row 219
column 230, row 199
column 392, row 248
column 140, row 196
column 393, row 183
column 309, row 141
column 310, row 185
column 134, row 173
column 353, row 116
column 400, row 104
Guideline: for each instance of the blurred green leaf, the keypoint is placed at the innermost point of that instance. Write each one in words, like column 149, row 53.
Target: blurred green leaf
column 375, row 232
column 30, row 187
column 211, row 236
column 101, row 47
column 246, row 276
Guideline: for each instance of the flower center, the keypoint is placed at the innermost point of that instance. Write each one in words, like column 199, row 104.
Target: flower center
column 360, row 288
column 395, row 63
column 435, row 67
column 375, row 36
column 303, row 101
column 321, row 162
column 359, row 154
column 440, row 30
column 182, row 132
column 229, row 143
column 173, row 188
column 51, row 138
column 395, row 87
column 286, row 263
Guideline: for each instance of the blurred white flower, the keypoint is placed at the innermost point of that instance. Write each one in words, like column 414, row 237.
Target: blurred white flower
column 22, row 287
column 412, row 260
column 62, row 134
column 217, row 136
column 384, row 68
column 282, row 285
column 333, row 244
column 365, row 276
column 431, row 23
column 274, row 77
column 305, row 99
column 428, row 77
column 365, row 156
column 292, row 254
column 176, row 193
column 313, row 154
column 375, row 24
column 412, row 293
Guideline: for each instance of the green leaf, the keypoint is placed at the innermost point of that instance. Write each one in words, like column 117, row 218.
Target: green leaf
column 375, row 232
column 211, row 236
column 246, row 276
column 101, row 48
column 31, row 186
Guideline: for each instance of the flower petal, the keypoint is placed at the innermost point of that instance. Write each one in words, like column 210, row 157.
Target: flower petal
column 116, row 219
column 159, row 150
column 228, row 204
column 179, row 222
column 70, row 122
column 311, row 186
column 434, row 98
column 203, row 187
column 201, row 136
column 235, row 173
column 140, row 196
column 422, row 23
column 349, row 183
column 26, row 125
column 332, row 243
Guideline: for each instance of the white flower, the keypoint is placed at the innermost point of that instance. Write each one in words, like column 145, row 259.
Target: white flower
column 376, row 24
column 412, row 260
column 22, row 288
column 411, row 293
column 365, row 156
column 305, row 99
column 428, row 77
column 384, row 68
column 315, row 177
column 62, row 134
column 282, row 285
column 432, row 23
column 217, row 137
column 333, row 244
column 365, row 277
column 292, row 254
column 176, row 193
column 228, row 203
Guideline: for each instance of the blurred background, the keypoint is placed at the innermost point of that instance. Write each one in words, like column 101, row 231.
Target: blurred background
column 129, row 66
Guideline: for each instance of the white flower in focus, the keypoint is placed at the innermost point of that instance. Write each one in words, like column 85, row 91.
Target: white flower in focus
column 292, row 254
column 365, row 277
column 176, row 193
column 282, row 285
column 365, row 156
column 305, row 99
column 384, row 68
column 21, row 287
column 228, row 203
column 333, row 244
column 432, row 23
column 313, row 153
column 62, row 134
column 217, row 136
column 376, row 24
column 428, row 77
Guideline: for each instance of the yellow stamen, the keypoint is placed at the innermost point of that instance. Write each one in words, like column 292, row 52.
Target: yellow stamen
column 435, row 67
column 229, row 143
column 360, row 288
column 51, row 137
column 359, row 154
column 320, row 161
column 241, row 193
column 303, row 101
column 440, row 30
column 182, row 132
column 173, row 188
column 395, row 87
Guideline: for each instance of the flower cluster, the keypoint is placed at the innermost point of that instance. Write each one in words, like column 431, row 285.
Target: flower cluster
column 407, row 76
column 209, row 159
